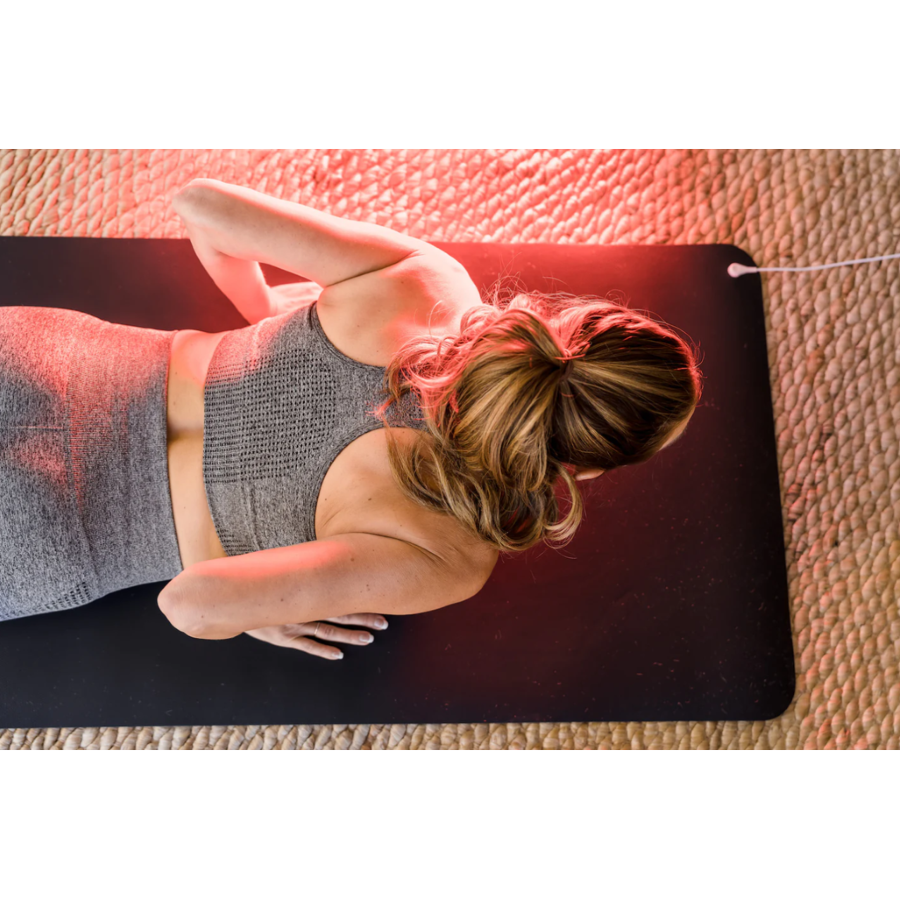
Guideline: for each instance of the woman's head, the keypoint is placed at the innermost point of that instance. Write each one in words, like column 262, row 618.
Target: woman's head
column 503, row 426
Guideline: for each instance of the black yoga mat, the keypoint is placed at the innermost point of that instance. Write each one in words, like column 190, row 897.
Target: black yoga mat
column 670, row 604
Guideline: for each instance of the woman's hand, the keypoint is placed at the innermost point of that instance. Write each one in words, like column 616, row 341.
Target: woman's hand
column 289, row 297
column 300, row 637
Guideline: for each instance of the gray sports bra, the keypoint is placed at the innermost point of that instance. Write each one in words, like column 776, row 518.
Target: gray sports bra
column 280, row 402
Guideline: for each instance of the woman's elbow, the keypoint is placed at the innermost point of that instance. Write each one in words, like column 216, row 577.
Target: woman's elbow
column 175, row 610
column 193, row 201
column 187, row 617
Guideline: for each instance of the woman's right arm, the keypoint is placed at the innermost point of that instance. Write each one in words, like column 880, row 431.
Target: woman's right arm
column 240, row 280
column 316, row 245
column 234, row 228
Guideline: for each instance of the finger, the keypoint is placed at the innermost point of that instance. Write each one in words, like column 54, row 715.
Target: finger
column 366, row 620
column 343, row 635
column 308, row 645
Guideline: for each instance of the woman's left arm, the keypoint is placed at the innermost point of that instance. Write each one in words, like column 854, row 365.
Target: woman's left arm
column 344, row 574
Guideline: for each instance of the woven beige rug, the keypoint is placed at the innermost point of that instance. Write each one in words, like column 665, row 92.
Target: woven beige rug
column 833, row 354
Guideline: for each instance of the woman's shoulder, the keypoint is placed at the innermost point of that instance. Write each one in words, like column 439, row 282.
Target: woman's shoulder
column 371, row 316
column 373, row 503
column 426, row 276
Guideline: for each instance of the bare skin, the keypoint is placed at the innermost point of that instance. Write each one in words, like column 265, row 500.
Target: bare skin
column 302, row 636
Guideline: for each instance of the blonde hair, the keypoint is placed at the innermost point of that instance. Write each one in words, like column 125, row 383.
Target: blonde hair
column 500, row 428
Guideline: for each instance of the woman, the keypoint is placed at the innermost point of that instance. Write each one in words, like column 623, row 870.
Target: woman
column 371, row 441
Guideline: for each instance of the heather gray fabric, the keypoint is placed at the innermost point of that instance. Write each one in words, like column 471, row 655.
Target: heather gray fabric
column 280, row 402
column 85, row 508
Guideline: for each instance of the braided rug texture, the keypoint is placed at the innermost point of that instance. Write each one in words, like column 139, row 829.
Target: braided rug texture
column 833, row 357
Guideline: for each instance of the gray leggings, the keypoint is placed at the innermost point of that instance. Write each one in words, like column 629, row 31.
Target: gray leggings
column 85, row 508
